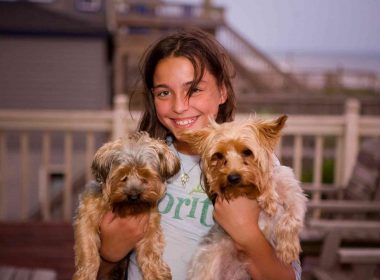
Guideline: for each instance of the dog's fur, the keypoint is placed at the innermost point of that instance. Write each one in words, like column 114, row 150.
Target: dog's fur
column 130, row 179
column 237, row 159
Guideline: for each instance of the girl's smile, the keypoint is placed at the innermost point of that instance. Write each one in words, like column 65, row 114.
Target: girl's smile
column 184, row 123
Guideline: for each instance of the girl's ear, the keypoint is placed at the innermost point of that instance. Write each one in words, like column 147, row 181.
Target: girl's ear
column 223, row 95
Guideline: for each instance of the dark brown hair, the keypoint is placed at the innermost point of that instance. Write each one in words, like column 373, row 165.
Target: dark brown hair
column 203, row 51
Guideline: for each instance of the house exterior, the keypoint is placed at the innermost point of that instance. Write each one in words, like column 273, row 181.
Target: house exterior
column 53, row 60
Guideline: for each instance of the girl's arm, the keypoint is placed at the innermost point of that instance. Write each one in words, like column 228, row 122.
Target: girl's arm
column 239, row 218
column 118, row 237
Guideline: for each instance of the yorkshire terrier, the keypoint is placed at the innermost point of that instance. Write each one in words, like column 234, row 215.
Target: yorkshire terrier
column 237, row 159
column 130, row 179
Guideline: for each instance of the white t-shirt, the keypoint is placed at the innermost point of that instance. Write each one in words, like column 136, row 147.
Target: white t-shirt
column 186, row 216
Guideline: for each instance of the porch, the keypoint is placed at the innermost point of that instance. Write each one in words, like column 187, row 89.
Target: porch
column 45, row 158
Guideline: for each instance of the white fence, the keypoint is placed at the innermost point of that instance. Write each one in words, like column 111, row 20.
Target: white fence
column 36, row 144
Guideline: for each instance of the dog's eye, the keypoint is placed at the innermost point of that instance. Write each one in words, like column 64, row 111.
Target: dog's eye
column 124, row 178
column 217, row 156
column 247, row 152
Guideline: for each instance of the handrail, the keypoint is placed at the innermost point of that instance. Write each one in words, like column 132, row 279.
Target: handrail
column 260, row 63
column 162, row 14
column 255, row 51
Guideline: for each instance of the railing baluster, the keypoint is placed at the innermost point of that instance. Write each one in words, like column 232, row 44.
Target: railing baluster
column 90, row 151
column 3, row 172
column 45, row 178
column 25, row 180
column 67, row 192
column 338, row 174
column 317, row 173
column 297, row 159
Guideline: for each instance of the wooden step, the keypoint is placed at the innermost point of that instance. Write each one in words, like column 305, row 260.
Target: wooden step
column 20, row 273
column 38, row 245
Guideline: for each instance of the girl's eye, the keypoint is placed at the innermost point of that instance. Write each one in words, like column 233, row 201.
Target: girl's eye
column 163, row 93
column 195, row 91
column 160, row 93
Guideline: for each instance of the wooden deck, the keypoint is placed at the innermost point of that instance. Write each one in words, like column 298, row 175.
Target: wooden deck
column 38, row 245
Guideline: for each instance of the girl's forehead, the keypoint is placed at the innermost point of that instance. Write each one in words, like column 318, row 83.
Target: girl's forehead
column 179, row 62
column 177, row 69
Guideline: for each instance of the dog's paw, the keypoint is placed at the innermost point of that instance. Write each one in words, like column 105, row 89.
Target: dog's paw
column 288, row 254
column 288, row 249
column 164, row 274
column 268, row 205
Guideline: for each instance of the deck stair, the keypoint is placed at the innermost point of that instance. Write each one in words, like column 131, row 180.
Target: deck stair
column 136, row 24
column 38, row 246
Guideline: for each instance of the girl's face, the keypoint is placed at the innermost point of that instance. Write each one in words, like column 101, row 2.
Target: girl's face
column 175, row 110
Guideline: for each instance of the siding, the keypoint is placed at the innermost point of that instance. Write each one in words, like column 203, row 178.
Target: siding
column 54, row 73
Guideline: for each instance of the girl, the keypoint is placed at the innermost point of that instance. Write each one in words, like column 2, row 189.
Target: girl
column 187, row 80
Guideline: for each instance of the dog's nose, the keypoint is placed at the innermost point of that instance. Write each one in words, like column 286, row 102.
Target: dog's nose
column 134, row 194
column 234, row 178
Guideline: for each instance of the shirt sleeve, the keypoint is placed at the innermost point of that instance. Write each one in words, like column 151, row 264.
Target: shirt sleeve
column 297, row 269
column 276, row 161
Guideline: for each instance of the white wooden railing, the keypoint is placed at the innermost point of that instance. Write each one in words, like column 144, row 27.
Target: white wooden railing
column 29, row 152
column 338, row 79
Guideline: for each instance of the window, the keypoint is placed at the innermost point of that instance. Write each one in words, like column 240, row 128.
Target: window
column 88, row 5
column 41, row 1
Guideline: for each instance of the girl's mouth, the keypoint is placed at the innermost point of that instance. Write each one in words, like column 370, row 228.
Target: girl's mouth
column 184, row 122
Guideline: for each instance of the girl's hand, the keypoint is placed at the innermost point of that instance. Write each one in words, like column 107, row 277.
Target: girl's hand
column 239, row 218
column 120, row 235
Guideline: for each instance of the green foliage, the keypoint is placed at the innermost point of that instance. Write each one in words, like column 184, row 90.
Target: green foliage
column 327, row 172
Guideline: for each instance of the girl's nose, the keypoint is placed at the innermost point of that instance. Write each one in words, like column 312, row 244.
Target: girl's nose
column 181, row 104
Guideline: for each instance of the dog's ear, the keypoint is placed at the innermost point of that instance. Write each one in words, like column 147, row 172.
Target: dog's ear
column 169, row 162
column 270, row 130
column 105, row 156
column 195, row 138
column 206, row 187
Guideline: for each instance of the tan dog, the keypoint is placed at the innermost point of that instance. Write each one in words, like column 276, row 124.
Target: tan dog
column 130, row 175
column 237, row 159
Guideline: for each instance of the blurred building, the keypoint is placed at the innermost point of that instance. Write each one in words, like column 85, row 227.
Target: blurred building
column 54, row 55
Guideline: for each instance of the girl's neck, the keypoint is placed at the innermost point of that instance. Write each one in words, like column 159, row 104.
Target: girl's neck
column 184, row 148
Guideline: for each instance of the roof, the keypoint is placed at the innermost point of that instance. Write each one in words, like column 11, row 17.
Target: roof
column 23, row 18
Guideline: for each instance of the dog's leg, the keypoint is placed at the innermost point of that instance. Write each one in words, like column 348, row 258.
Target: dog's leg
column 205, row 264
column 291, row 215
column 87, row 244
column 149, row 252
column 217, row 259
column 268, row 200
column 288, row 245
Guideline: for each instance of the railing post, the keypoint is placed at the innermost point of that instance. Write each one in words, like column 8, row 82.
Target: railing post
column 119, row 116
column 206, row 8
column 351, row 137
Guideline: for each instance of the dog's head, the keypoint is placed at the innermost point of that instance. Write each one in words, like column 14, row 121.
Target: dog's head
column 236, row 157
column 133, row 171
